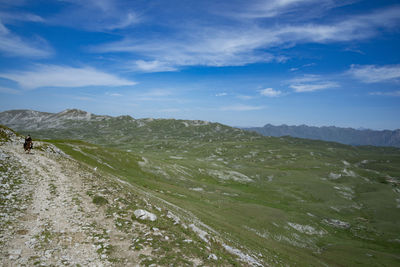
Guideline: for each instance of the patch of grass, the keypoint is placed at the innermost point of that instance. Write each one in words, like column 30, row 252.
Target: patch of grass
column 53, row 189
column 99, row 200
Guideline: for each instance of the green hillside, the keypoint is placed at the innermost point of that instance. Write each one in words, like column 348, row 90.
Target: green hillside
column 283, row 200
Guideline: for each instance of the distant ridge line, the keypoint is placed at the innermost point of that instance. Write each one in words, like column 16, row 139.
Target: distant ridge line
column 348, row 136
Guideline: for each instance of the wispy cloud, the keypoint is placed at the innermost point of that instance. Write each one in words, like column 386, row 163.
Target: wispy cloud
column 63, row 76
column 152, row 66
column 375, row 74
column 302, row 66
column 96, row 15
column 9, row 17
column 159, row 95
column 270, row 92
column 241, row 107
column 394, row 93
column 273, row 8
column 114, row 94
column 242, row 44
column 13, row 45
column 245, row 97
column 311, row 83
column 301, row 88
column 221, row 94
column 208, row 47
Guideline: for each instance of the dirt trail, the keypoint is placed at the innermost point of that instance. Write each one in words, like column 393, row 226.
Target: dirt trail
column 58, row 223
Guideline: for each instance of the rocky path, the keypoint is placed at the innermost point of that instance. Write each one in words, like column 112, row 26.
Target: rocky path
column 48, row 217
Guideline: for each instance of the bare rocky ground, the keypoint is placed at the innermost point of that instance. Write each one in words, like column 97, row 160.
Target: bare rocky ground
column 56, row 212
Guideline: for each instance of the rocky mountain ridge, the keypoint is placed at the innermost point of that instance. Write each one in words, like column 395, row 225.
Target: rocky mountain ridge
column 347, row 136
column 35, row 120
column 121, row 130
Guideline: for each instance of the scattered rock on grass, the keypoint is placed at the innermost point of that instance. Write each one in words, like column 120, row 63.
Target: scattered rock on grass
column 145, row 215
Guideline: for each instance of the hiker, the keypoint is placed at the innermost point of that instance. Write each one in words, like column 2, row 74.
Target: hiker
column 28, row 145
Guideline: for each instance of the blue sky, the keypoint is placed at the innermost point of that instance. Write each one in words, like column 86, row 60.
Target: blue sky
column 242, row 63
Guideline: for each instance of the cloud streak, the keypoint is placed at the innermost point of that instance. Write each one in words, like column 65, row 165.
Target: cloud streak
column 375, row 74
column 96, row 15
column 13, row 45
column 63, row 76
column 394, row 93
column 242, row 44
column 311, row 83
column 270, row 92
column 272, row 8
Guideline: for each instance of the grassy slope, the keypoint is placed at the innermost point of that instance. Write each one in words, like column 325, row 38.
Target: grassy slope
column 292, row 183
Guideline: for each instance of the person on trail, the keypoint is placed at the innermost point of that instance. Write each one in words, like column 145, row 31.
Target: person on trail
column 28, row 144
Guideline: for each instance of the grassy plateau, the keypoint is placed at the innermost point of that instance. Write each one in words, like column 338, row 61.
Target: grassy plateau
column 287, row 201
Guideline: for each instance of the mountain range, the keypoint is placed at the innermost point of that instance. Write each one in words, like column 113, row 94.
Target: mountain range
column 271, row 201
column 347, row 136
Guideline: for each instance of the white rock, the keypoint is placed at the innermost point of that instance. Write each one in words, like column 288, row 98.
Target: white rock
column 202, row 234
column 212, row 257
column 145, row 215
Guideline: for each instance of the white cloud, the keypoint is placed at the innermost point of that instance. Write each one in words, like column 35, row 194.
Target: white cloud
column 375, row 74
column 241, row 108
column 273, row 8
column 62, row 76
column 157, row 93
column 245, row 97
column 13, row 45
column 242, row 44
column 153, row 66
column 96, row 15
column 114, row 94
column 270, row 92
column 306, row 79
column 11, row 17
column 300, row 88
column 221, row 94
column 160, row 95
column 208, row 47
column 394, row 93
column 311, row 83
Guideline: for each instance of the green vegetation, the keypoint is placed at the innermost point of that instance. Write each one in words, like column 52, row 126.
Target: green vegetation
column 99, row 200
column 285, row 200
column 5, row 133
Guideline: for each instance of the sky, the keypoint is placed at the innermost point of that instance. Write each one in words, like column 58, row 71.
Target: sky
column 241, row 63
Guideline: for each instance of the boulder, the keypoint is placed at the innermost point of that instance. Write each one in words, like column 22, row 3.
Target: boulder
column 145, row 215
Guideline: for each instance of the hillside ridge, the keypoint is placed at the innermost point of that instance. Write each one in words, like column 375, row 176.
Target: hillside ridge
column 349, row 136
column 57, row 211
